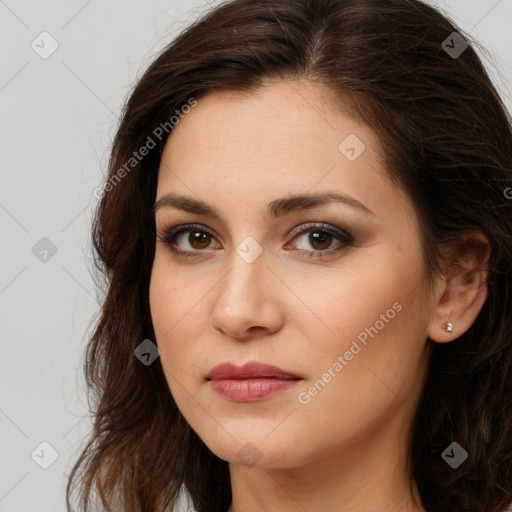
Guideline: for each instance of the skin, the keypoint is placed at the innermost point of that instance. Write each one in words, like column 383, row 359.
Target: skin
column 346, row 449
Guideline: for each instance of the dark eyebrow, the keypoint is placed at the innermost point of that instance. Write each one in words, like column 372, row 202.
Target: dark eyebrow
column 275, row 209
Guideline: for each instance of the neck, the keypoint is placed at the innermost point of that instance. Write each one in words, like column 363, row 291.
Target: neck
column 369, row 475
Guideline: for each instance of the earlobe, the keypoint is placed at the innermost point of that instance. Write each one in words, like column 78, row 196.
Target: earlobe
column 463, row 290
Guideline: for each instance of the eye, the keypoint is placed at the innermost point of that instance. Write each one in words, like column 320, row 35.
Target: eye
column 190, row 240
column 321, row 237
column 198, row 239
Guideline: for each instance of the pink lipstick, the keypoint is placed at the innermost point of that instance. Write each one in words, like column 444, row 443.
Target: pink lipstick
column 251, row 382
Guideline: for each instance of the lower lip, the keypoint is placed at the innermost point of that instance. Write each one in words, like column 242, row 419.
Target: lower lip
column 250, row 390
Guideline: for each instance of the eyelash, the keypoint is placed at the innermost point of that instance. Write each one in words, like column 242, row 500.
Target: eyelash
column 169, row 234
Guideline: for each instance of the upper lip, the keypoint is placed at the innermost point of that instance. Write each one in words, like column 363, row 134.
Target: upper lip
column 250, row 370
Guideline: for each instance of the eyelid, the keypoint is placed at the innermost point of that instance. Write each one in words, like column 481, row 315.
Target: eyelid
column 322, row 226
column 168, row 234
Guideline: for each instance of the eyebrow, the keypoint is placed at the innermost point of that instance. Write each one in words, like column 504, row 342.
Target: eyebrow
column 275, row 209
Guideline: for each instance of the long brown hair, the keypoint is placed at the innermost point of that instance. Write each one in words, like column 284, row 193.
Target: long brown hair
column 447, row 138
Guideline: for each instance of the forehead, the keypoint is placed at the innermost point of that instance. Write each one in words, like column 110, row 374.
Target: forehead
column 279, row 120
column 287, row 137
column 277, row 110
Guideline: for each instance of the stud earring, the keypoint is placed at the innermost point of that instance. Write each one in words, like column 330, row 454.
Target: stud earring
column 448, row 326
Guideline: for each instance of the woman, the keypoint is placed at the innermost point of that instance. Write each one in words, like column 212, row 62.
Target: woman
column 306, row 235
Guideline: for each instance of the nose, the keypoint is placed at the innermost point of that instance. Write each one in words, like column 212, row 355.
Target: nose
column 248, row 300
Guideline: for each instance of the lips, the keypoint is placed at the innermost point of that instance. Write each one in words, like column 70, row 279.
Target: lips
column 250, row 382
column 250, row 370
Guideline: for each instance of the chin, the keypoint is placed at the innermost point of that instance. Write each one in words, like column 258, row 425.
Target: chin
column 254, row 451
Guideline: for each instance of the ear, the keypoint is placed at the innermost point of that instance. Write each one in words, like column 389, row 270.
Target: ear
column 462, row 288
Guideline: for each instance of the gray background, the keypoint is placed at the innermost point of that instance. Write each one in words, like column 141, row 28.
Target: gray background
column 58, row 116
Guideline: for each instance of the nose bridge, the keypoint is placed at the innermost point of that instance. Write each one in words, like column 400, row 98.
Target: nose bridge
column 244, row 299
column 248, row 265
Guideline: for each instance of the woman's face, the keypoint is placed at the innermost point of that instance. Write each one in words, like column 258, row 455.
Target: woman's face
column 341, row 307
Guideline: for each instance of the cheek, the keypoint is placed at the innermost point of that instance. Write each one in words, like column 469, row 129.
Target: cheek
column 174, row 308
column 165, row 315
column 375, row 319
column 169, row 300
column 343, row 303
column 343, row 400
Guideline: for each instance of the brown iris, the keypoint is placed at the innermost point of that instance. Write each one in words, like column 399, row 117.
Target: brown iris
column 199, row 237
column 320, row 237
